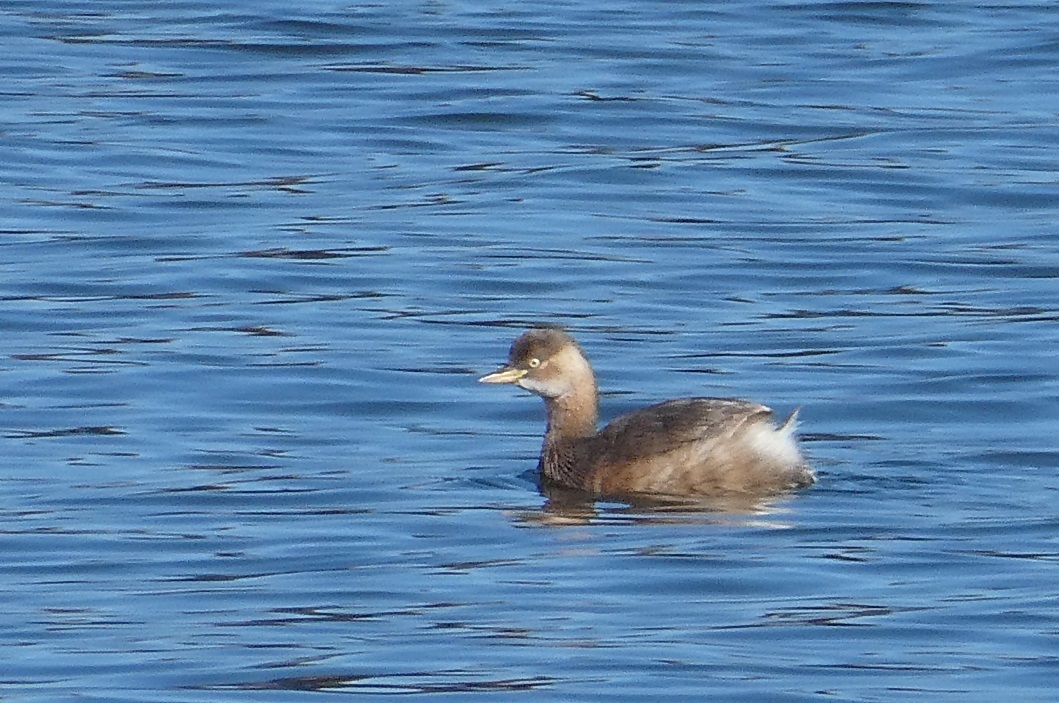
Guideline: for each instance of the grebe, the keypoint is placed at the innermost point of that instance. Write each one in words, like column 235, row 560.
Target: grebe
column 687, row 447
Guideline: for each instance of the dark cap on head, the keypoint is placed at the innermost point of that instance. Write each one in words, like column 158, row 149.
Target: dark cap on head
column 540, row 343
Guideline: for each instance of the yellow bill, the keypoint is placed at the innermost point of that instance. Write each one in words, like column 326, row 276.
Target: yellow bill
column 504, row 375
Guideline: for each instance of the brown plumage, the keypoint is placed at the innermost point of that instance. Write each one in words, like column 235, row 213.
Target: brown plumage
column 688, row 447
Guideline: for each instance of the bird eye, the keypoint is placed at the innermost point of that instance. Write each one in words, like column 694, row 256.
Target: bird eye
column 534, row 362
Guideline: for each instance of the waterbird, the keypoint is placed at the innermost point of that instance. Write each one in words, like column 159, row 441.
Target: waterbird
column 708, row 447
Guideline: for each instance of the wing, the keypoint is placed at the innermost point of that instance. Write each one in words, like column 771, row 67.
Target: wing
column 660, row 428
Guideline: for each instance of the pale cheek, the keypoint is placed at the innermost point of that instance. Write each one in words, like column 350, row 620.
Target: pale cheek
column 547, row 390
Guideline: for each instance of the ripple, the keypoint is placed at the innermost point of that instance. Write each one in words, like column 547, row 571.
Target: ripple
column 254, row 257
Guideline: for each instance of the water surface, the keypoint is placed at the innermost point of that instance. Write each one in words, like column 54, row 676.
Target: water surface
column 252, row 258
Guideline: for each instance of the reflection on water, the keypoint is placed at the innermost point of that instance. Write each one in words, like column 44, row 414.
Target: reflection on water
column 564, row 506
column 252, row 260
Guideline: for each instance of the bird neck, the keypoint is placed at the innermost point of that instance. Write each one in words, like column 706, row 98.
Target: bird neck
column 573, row 414
column 570, row 418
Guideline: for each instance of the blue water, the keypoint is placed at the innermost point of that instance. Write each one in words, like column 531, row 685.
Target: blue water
column 253, row 256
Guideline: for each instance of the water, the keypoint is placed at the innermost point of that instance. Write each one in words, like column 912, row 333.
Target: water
column 253, row 256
